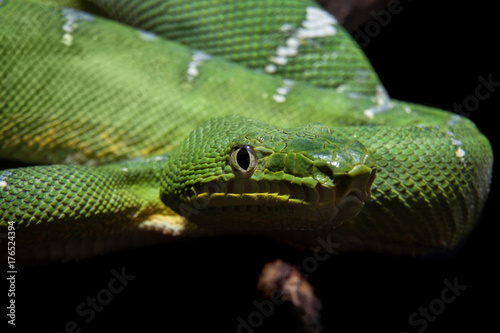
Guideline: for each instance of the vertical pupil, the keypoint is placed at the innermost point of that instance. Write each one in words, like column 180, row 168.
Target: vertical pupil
column 243, row 158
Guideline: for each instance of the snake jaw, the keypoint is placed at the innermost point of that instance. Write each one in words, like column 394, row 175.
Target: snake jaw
column 250, row 204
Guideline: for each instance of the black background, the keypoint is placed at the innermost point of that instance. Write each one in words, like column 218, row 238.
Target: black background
column 430, row 54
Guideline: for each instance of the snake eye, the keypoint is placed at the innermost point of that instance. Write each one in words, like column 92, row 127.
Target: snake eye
column 243, row 159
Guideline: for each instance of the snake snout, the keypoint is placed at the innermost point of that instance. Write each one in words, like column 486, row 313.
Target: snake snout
column 353, row 190
column 348, row 169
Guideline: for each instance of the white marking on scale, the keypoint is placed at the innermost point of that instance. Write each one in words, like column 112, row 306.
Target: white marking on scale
column 281, row 92
column 71, row 16
column 318, row 23
column 455, row 119
column 352, row 95
column 4, row 176
column 271, row 68
column 279, row 60
column 293, row 42
column 317, row 32
column 318, row 14
column 147, row 35
column 279, row 98
column 342, row 88
column 383, row 102
column 164, row 224
column 284, row 51
column 459, row 152
column 287, row 27
column 197, row 58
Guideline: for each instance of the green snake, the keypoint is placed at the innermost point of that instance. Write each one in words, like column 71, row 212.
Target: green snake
column 139, row 122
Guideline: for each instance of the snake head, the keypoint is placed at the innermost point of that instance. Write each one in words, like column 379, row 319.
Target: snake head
column 243, row 174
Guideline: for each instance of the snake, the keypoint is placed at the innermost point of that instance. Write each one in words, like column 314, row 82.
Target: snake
column 131, row 123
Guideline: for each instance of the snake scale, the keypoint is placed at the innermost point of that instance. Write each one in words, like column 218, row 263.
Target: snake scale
column 140, row 122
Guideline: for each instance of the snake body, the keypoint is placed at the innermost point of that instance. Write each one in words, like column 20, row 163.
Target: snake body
column 191, row 119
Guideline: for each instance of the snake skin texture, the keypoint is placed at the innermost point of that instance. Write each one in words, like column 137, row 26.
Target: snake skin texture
column 120, row 98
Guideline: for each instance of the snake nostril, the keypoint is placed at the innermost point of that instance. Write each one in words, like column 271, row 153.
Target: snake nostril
column 327, row 171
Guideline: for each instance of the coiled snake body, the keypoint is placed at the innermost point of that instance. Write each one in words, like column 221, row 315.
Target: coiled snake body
column 214, row 117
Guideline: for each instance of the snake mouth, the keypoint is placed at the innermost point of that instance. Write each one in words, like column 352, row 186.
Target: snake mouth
column 282, row 204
